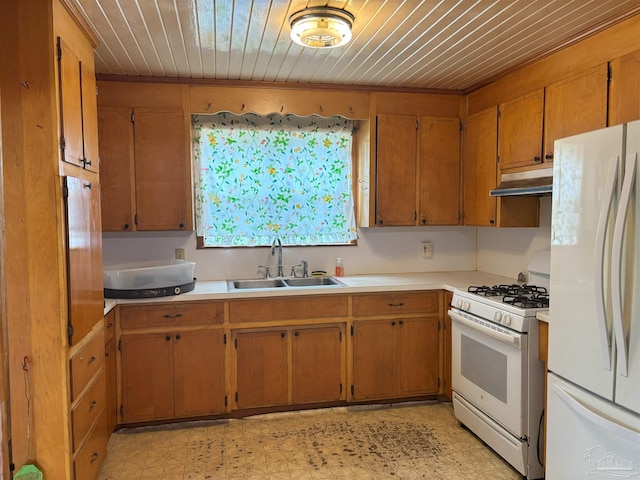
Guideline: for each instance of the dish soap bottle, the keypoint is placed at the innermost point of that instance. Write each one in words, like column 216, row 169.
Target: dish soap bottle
column 339, row 267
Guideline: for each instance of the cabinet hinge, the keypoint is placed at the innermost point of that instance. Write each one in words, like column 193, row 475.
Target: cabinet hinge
column 352, row 330
column 459, row 216
column 63, row 144
column 133, row 117
column 121, row 410
column 59, row 50
column 609, row 73
column 417, row 125
column 499, row 113
column 353, row 390
column 340, row 388
column 236, row 397
column 463, row 126
column 65, row 191
column 236, row 343
column 135, row 219
column 340, row 336
column 224, row 338
column 226, row 400
column 119, row 345
column 497, row 158
column 415, row 216
column 70, row 330
column 12, row 466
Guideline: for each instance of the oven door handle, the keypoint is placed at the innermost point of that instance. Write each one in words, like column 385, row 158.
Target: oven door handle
column 510, row 339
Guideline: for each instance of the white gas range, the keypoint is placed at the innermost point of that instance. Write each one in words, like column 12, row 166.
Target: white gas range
column 497, row 377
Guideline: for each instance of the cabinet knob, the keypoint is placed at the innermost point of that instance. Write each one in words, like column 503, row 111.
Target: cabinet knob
column 167, row 338
column 181, row 225
column 401, row 322
column 92, row 405
column 177, row 337
column 282, row 335
column 548, row 156
column 393, row 324
column 126, row 226
column 380, row 222
column 492, row 221
column 423, row 221
column 536, row 159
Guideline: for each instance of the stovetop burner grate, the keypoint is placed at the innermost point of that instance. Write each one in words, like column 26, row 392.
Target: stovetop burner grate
column 522, row 296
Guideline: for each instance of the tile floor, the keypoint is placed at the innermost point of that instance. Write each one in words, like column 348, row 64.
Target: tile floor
column 406, row 441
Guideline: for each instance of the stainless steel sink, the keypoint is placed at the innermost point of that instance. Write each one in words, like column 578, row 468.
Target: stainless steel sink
column 261, row 284
column 313, row 282
column 252, row 284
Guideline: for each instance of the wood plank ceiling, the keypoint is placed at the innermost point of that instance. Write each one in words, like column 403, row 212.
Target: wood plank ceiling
column 436, row 44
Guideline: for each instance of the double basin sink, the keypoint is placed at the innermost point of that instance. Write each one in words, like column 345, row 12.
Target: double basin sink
column 283, row 283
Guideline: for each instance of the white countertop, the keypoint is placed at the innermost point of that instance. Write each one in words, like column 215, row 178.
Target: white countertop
column 387, row 282
column 544, row 316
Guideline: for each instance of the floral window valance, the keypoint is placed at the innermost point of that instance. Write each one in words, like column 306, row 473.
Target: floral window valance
column 258, row 178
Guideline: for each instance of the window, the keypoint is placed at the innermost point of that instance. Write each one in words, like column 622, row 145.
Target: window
column 258, row 178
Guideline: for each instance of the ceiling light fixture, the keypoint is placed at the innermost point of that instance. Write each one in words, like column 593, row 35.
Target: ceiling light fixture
column 321, row 27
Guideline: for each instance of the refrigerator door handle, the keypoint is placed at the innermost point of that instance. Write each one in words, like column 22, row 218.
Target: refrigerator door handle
column 595, row 417
column 616, row 263
column 603, row 221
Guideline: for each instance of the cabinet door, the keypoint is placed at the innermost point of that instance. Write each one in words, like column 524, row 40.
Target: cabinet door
column 396, row 165
column 448, row 296
column 115, row 131
column 624, row 99
column 70, row 104
column 147, row 377
column 160, row 169
column 520, row 131
column 111, row 386
column 374, row 359
column 89, row 118
column 317, row 364
column 199, row 372
column 418, row 356
column 480, row 168
column 439, row 171
column 84, row 256
column 262, row 369
column 575, row 105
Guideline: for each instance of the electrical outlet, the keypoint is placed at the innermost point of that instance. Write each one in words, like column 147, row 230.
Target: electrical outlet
column 179, row 253
column 426, row 249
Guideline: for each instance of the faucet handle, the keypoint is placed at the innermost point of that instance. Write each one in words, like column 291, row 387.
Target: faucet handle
column 267, row 273
column 305, row 268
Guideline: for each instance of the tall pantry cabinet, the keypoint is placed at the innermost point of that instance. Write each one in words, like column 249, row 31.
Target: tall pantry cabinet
column 53, row 274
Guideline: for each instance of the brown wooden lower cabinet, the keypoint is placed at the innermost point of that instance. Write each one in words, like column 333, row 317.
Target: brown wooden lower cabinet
column 317, row 357
column 448, row 296
column 261, row 368
column 395, row 358
column 111, row 385
column 266, row 375
column 182, row 374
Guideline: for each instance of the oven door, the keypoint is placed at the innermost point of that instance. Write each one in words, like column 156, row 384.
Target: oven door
column 488, row 369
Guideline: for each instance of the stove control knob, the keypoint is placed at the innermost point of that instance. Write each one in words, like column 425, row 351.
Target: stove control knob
column 507, row 320
column 466, row 306
column 497, row 316
column 459, row 303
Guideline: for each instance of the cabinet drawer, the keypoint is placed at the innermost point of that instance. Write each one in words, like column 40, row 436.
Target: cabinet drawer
column 396, row 303
column 87, row 410
column 85, row 363
column 293, row 308
column 171, row 315
column 91, row 456
column 109, row 326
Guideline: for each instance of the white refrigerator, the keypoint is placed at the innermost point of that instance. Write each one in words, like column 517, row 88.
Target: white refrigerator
column 593, row 396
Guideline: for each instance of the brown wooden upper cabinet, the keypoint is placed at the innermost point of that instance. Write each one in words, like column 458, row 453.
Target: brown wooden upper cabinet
column 78, row 120
column 481, row 168
column 520, row 131
column 144, row 169
column 417, row 170
column 577, row 104
column 624, row 95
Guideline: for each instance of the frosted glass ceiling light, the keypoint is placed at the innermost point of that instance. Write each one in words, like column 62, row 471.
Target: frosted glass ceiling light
column 321, row 27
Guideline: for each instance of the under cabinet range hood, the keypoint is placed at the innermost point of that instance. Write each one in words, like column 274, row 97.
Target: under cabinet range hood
column 532, row 182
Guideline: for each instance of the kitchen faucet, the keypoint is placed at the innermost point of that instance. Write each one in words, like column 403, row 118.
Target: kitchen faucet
column 277, row 243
